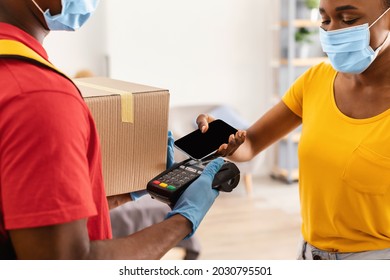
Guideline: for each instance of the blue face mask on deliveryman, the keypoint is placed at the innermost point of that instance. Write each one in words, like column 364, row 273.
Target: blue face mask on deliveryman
column 349, row 49
column 73, row 15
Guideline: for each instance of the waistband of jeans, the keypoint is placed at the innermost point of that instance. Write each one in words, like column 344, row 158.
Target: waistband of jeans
column 318, row 254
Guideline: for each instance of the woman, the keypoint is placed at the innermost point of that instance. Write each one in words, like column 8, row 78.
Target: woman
column 344, row 151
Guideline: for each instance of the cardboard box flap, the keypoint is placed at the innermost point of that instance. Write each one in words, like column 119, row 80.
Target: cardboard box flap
column 102, row 86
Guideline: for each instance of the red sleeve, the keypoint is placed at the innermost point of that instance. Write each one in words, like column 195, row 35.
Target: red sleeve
column 44, row 166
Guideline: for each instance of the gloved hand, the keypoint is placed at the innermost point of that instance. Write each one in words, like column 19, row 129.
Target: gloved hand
column 197, row 199
column 137, row 194
column 170, row 161
column 170, row 150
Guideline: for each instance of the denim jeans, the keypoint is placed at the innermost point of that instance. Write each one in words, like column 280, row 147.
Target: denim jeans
column 309, row 252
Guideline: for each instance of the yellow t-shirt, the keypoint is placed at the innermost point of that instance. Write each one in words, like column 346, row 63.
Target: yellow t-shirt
column 344, row 168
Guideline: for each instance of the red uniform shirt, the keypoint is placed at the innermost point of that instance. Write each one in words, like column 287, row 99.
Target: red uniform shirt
column 50, row 161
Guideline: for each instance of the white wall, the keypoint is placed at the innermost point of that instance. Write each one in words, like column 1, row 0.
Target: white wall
column 203, row 51
column 83, row 49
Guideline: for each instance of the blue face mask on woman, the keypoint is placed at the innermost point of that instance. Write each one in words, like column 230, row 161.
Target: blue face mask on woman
column 349, row 49
column 73, row 15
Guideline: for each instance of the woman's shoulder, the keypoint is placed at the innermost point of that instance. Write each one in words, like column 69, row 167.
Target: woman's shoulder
column 322, row 69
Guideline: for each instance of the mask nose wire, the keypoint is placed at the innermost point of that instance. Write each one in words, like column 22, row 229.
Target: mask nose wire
column 374, row 21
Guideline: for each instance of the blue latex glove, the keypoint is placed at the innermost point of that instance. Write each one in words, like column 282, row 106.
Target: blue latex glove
column 137, row 194
column 170, row 161
column 170, row 150
column 198, row 197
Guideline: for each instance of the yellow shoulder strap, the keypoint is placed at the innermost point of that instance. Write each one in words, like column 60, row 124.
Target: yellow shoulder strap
column 15, row 49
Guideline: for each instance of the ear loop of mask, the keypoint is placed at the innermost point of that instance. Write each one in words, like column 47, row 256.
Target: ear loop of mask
column 382, row 15
column 39, row 8
column 388, row 34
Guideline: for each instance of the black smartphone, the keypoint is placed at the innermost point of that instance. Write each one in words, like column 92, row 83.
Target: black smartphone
column 198, row 145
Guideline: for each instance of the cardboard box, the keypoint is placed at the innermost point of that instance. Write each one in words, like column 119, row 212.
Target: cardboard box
column 132, row 122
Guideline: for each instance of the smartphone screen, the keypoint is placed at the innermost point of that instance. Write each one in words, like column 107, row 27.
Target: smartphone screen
column 199, row 145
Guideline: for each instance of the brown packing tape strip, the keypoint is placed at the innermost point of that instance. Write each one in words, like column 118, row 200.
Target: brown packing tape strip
column 127, row 105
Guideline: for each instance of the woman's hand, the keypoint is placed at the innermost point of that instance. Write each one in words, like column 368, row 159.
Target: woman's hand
column 234, row 141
